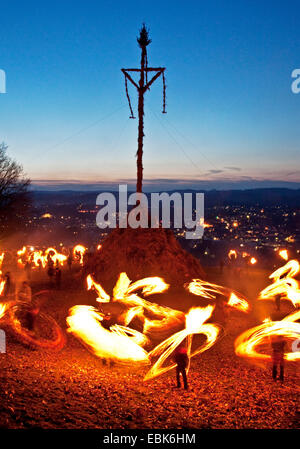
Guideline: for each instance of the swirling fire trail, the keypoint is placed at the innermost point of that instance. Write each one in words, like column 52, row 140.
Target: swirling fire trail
column 209, row 291
column 284, row 284
column 195, row 324
column 247, row 344
column 118, row 343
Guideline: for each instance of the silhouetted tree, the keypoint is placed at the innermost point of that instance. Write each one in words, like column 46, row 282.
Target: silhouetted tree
column 14, row 195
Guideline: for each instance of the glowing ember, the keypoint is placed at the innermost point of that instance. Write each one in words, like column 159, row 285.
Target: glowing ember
column 253, row 261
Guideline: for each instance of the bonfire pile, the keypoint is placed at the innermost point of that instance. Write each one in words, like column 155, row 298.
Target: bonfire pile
column 142, row 253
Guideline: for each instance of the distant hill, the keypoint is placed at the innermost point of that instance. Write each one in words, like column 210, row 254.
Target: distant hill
column 251, row 197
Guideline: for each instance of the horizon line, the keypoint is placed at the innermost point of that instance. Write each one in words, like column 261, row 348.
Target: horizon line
column 163, row 184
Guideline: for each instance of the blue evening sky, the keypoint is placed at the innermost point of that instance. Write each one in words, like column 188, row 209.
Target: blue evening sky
column 232, row 116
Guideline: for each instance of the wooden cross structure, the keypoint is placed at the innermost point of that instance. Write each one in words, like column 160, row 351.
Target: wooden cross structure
column 142, row 86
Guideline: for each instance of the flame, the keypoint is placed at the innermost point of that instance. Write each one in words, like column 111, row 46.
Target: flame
column 125, row 293
column 79, row 250
column 195, row 320
column 22, row 251
column 121, row 342
column 284, row 254
column 91, row 284
column 238, row 302
column 126, row 345
column 2, row 281
column 233, row 253
column 3, row 308
column 40, row 258
column 118, row 343
column 1, row 258
column 167, row 318
column 46, row 215
column 56, row 257
column 284, row 283
column 253, row 260
column 57, row 341
column 208, row 290
column 2, row 285
column 246, row 345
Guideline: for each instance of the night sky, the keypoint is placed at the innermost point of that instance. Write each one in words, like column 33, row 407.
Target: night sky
column 231, row 116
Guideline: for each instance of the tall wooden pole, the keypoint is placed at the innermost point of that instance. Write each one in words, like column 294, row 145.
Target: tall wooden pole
column 139, row 153
column 142, row 87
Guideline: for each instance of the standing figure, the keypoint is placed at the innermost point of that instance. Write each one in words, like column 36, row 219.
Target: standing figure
column 27, row 269
column 278, row 347
column 24, row 298
column 220, row 313
column 58, row 277
column 51, row 271
column 40, row 265
column 221, row 265
column 24, row 294
column 278, row 302
column 7, row 284
column 182, row 360
column 70, row 261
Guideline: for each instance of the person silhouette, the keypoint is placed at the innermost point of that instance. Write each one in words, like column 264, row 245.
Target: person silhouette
column 181, row 359
column 278, row 346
